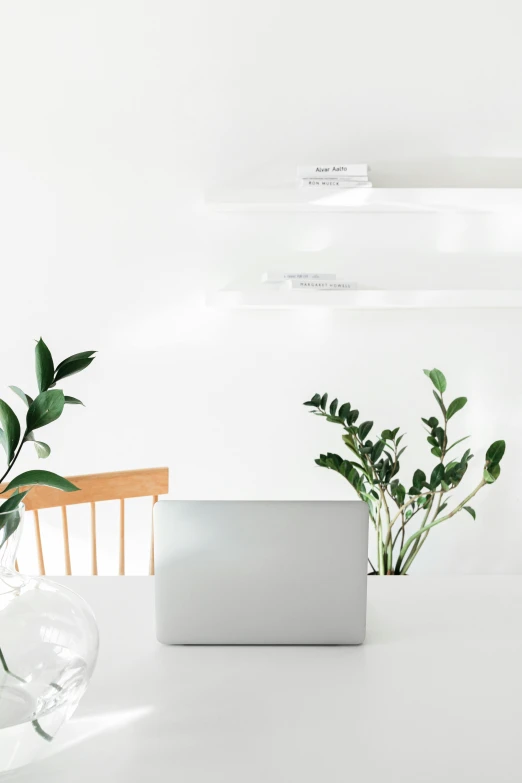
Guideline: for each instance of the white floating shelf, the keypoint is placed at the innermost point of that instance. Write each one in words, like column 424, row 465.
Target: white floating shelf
column 259, row 297
column 290, row 198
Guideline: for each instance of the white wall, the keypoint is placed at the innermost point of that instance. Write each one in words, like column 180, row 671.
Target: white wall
column 117, row 115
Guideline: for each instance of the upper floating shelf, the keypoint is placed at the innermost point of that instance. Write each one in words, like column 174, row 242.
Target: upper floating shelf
column 405, row 200
column 266, row 298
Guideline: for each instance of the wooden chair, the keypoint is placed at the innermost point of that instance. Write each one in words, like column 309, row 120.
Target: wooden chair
column 94, row 488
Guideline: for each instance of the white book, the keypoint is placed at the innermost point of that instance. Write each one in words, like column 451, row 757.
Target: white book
column 343, row 179
column 279, row 277
column 334, row 183
column 322, row 285
column 334, row 170
column 348, row 179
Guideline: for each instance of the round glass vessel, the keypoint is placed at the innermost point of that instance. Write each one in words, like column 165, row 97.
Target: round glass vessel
column 48, row 650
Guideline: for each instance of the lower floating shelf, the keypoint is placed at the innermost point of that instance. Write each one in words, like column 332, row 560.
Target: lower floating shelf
column 259, row 297
column 291, row 198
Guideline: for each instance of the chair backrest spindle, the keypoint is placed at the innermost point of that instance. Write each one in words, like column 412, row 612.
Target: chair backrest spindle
column 38, row 537
column 66, row 549
column 122, row 537
column 94, row 552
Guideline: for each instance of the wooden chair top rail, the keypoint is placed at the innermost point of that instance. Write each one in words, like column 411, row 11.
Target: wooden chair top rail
column 100, row 486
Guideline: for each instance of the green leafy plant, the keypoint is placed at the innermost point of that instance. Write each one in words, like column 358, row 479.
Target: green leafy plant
column 47, row 406
column 373, row 471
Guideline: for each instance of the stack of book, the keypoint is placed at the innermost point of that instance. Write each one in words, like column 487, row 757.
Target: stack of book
column 313, row 281
column 342, row 175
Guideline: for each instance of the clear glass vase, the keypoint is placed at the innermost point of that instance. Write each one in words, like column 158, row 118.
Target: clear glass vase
column 48, row 650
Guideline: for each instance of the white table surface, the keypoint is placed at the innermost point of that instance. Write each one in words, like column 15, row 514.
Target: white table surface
column 435, row 694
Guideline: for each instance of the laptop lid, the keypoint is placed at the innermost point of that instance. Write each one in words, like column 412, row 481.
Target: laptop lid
column 261, row 572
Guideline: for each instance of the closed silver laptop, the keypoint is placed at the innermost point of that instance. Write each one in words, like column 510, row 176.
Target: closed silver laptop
column 260, row 572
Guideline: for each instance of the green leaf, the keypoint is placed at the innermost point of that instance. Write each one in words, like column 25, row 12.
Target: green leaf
column 495, row 452
column 13, row 501
column 439, row 434
column 3, row 442
column 348, row 440
column 436, row 452
column 364, row 429
column 333, row 407
column 75, row 401
column 23, row 396
column 437, row 475
column 386, row 434
column 46, row 408
column 457, row 405
column 439, row 400
column 324, row 400
column 316, row 400
column 470, row 511
column 73, row 364
column 11, row 428
column 400, row 494
column 334, row 461
column 491, row 474
column 437, row 378
column 457, row 443
column 352, row 416
column 41, row 477
column 42, row 449
column 377, row 450
column 344, row 410
column 419, row 477
column 441, row 509
column 9, row 522
column 75, row 357
column 44, row 366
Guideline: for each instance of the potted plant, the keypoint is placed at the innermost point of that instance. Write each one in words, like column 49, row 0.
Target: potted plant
column 373, row 467
column 48, row 635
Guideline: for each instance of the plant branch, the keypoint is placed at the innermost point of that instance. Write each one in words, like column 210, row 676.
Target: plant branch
column 15, row 457
column 7, row 669
column 442, row 519
column 423, row 527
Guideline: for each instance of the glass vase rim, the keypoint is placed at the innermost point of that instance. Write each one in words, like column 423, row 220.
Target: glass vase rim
column 20, row 507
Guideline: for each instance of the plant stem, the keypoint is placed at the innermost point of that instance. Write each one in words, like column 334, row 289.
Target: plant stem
column 7, row 669
column 413, row 499
column 424, row 527
column 15, row 457
column 435, row 522
column 41, row 732
column 387, row 544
